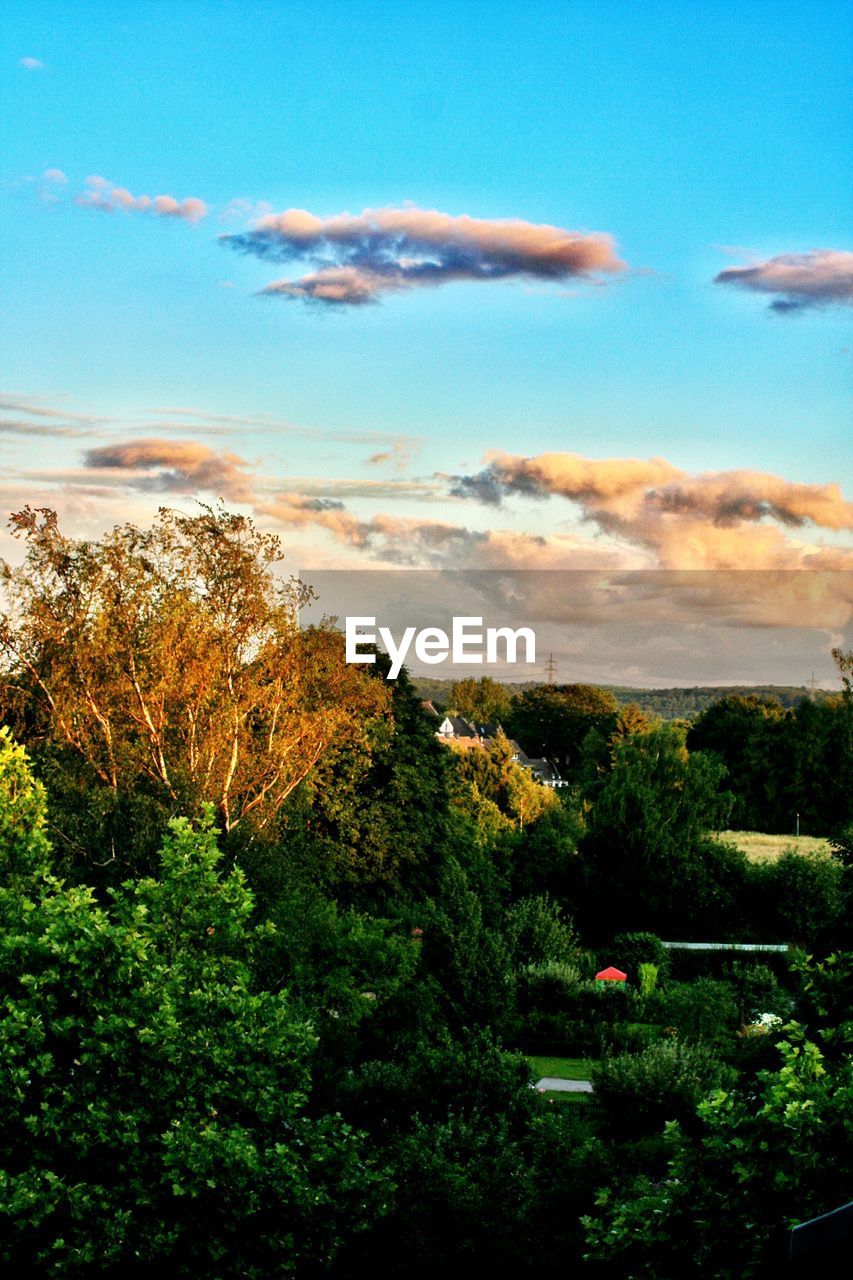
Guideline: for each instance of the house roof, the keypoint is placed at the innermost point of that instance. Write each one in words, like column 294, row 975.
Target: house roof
column 491, row 729
column 542, row 768
column 461, row 728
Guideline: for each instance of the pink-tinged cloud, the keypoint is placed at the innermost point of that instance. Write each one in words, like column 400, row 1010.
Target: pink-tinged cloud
column 358, row 258
column 100, row 194
column 176, row 466
column 31, row 64
column 55, row 176
column 625, row 487
column 798, row 281
column 349, row 285
column 727, row 519
column 651, row 514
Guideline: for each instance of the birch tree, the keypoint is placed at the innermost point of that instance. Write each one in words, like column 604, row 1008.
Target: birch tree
column 171, row 657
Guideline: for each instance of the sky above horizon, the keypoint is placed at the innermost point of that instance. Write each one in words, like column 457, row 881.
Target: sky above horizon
column 435, row 285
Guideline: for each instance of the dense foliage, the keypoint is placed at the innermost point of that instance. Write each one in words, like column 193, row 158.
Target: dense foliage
column 152, row 1105
column 788, row 768
column 276, row 1019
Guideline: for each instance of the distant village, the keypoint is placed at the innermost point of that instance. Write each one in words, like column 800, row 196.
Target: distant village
column 466, row 735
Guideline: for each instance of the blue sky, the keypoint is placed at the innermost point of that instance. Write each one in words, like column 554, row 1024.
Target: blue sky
column 699, row 136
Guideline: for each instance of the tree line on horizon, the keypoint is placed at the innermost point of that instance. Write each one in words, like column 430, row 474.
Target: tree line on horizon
column 671, row 703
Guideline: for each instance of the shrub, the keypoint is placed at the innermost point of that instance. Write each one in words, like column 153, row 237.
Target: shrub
column 626, row 1037
column 703, row 1010
column 536, row 933
column 648, row 974
column 757, row 990
column 552, row 987
column 633, row 949
column 567, row 975
column 756, row 1160
column 665, row 1081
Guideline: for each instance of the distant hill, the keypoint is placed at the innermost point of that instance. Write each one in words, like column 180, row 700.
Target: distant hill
column 681, row 704
column 669, row 704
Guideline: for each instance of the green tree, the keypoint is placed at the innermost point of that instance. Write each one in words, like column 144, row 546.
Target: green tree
column 783, row 767
column 536, row 932
column 647, row 855
column 466, row 954
column 152, row 1105
column 488, row 1172
column 372, row 818
column 546, row 857
column 743, row 732
column 799, row 899
column 483, row 700
column 553, row 720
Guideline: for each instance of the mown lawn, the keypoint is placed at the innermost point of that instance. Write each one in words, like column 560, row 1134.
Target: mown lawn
column 763, row 848
column 563, row 1068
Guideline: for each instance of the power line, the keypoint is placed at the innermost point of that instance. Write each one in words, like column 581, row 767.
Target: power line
column 550, row 668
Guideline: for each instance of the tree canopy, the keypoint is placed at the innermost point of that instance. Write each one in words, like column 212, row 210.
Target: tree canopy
column 152, row 1104
column 170, row 659
column 553, row 720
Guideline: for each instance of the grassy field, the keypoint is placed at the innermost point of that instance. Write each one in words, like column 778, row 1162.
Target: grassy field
column 763, row 848
column 563, row 1068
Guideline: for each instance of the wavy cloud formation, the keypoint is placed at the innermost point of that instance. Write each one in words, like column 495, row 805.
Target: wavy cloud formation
column 186, row 466
column 652, row 514
column 714, row 520
column 175, row 466
column 100, row 194
column 357, row 258
column 819, row 278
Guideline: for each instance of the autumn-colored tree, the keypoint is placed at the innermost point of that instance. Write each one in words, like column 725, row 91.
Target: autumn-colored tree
column 495, row 775
column 171, row 658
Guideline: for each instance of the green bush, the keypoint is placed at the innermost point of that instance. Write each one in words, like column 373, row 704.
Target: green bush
column 640, row 1091
column 626, row 1037
column 757, row 990
column 633, row 949
column 536, row 932
column 703, row 1010
column 755, row 1160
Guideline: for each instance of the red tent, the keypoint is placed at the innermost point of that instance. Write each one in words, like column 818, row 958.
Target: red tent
column 611, row 975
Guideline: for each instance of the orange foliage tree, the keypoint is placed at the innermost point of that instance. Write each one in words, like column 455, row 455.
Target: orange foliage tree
column 173, row 656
